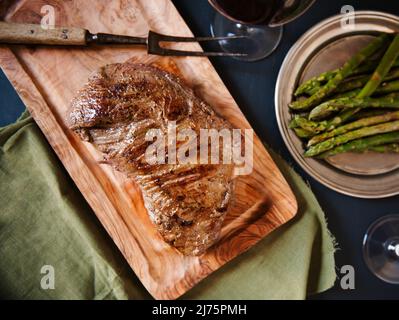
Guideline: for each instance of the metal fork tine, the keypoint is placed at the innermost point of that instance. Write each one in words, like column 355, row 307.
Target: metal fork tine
column 180, row 53
column 166, row 38
column 154, row 46
column 197, row 39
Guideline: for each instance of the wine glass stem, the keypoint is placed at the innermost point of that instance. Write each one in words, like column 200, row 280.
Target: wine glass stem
column 394, row 248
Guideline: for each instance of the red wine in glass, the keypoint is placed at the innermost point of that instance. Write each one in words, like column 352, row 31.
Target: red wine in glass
column 260, row 21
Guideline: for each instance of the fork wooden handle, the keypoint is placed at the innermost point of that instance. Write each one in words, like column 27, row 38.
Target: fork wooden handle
column 20, row 33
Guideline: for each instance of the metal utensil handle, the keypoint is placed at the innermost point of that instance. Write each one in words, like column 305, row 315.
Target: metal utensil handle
column 106, row 38
column 21, row 33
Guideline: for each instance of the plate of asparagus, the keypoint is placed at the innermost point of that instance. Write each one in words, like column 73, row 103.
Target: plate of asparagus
column 337, row 104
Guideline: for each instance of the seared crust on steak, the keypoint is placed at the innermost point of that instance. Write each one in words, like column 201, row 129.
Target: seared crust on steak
column 115, row 110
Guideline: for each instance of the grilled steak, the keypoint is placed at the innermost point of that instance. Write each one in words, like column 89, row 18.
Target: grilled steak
column 115, row 110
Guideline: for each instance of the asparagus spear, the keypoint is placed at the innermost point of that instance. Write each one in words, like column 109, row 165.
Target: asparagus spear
column 343, row 73
column 384, row 88
column 293, row 123
column 354, row 125
column 368, row 113
column 310, row 86
column 351, row 135
column 388, row 87
column 354, row 83
column 386, row 148
column 311, row 126
column 321, row 126
column 363, row 144
column 315, row 128
column 349, row 94
column 325, row 109
column 359, row 82
column 383, row 68
column 370, row 65
column 302, row 133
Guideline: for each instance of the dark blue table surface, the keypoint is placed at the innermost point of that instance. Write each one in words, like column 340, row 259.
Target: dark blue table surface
column 252, row 85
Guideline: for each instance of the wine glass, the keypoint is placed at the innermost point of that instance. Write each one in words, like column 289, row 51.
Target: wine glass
column 259, row 22
column 381, row 248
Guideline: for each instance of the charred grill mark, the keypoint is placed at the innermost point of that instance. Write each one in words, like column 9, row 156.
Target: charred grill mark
column 183, row 222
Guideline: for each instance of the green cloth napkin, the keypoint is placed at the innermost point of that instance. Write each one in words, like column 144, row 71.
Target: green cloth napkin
column 44, row 220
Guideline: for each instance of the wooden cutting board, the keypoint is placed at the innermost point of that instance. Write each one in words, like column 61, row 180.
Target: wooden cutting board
column 48, row 78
